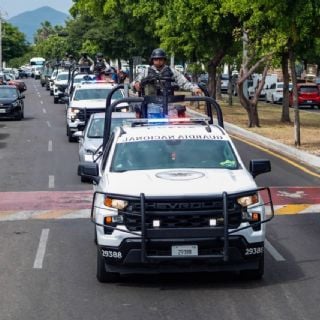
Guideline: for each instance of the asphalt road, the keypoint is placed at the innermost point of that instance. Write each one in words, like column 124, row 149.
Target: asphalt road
column 47, row 267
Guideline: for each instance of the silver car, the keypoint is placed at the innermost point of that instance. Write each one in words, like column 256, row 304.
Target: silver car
column 92, row 137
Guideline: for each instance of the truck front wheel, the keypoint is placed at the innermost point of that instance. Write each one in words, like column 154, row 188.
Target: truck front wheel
column 102, row 274
column 254, row 274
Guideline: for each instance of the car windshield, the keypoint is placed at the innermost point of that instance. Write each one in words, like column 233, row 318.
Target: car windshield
column 63, row 76
column 8, row 93
column 96, row 128
column 91, row 94
column 171, row 154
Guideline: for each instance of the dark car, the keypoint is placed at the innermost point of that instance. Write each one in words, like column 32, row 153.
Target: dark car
column 20, row 84
column 11, row 102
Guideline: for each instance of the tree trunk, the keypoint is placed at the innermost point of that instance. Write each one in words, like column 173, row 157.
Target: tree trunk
column 212, row 72
column 297, row 140
column 230, row 84
column 285, row 116
column 218, row 87
column 250, row 106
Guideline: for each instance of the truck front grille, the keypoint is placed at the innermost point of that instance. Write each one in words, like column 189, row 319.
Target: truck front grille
column 182, row 214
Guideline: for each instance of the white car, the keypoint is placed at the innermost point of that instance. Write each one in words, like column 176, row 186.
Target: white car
column 86, row 99
column 60, row 84
column 274, row 93
column 174, row 196
column 179, row 68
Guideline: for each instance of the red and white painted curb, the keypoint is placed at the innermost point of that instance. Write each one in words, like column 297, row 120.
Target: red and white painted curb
column 37, row 205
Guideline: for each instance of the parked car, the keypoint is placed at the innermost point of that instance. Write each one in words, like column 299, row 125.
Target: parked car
column 308, row 95
column 224, row 83
column 274, row 93
column 203, row 78
column 20, row 84
column 179, row 68
column 11, row 102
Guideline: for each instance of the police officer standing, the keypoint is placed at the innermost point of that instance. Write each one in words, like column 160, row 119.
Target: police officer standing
column 159, row 68
column 85, row 62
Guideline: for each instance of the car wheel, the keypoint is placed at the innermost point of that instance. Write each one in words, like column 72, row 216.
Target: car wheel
column 19, row 115
column 95, row 240
column 102, row 274
column 254, row 274
column 69, row 134
column 51, row 93
column 55, row 100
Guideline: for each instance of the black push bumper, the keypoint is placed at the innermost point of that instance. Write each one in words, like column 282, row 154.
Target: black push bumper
column 127, row 257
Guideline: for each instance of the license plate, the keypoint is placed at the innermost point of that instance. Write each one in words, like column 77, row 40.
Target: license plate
column 184, row 251
column 309, row 101
column 2, row 110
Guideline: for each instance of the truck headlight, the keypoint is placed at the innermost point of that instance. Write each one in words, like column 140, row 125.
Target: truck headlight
column 115, row 203
column 73, row 112
column 248, row 200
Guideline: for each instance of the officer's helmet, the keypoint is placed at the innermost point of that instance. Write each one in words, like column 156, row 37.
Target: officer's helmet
column 99, row 55
column 158, row 53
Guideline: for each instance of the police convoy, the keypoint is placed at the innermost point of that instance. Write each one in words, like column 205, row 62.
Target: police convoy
column 171, row 193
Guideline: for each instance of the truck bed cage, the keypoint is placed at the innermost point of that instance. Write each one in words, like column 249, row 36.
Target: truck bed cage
column 144, row 101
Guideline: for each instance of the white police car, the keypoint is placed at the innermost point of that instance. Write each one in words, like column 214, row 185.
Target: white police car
column 174, row 196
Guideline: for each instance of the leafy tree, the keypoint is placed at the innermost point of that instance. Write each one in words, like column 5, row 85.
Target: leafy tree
column 13, row 42
column 198, row 30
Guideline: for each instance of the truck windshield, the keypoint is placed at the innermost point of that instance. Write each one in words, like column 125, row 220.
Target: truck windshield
column 91, row 94
column 173, row 154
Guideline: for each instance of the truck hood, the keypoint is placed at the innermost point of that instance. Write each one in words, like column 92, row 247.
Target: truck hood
column 179, row 182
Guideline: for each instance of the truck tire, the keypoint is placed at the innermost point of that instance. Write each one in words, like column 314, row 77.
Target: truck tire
column 102, row 274
column 254, row 274
column 70, row 137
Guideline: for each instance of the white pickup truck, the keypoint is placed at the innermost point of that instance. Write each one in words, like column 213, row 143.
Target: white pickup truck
column 173, row 195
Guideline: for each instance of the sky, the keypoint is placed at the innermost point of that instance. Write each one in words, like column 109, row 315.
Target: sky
column 11, row 8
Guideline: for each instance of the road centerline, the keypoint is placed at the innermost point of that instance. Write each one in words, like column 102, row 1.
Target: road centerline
column 38, row 261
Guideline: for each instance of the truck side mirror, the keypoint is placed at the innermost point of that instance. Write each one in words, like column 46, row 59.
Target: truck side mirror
column 259, row 166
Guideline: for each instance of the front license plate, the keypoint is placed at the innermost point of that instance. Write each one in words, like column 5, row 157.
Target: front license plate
column 184, row 251
column 2, row 110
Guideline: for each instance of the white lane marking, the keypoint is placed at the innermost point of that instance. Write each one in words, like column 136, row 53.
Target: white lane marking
column 44, row 110
column 41, row 102
column 50, row 146
column 49, row 124
column 38, row 261
column 51, row 182
column 272, row 250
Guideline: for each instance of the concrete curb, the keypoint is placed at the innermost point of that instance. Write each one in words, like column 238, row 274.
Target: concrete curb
column 300, row 155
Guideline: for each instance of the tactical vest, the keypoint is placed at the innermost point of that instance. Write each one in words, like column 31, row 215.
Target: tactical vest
column 156, row 89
